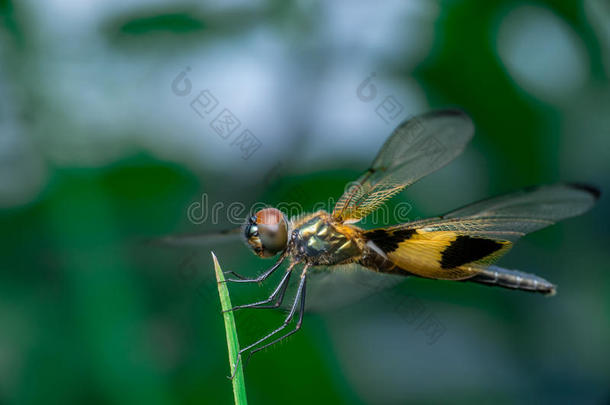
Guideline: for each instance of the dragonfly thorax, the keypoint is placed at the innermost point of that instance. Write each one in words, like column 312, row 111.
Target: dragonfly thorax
column 317, row 241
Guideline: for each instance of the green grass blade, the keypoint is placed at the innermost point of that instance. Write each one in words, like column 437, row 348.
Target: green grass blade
column 239, row 386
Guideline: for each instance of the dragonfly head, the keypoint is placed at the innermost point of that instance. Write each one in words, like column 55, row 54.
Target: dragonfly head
column 267, row 232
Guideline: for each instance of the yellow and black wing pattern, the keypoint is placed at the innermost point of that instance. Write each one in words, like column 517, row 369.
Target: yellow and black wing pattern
column 459, row 245
column 416, row 148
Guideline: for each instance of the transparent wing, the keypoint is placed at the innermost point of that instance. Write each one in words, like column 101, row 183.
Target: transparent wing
column 200, row 239
column 331, row 289
column 513, row 215
column 550, row 202
column 416, row 148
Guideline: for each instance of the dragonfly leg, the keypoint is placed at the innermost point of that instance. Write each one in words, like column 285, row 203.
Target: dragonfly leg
column 299, row 297
column 295, row 330
column 231, row 272
column 262, row 277
column 279, row 292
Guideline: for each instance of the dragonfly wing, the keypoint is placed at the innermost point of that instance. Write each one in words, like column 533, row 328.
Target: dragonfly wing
column 456, row 245
column 416, row 148
column 549, row 202
column 513, row 215
column 200, row 239
column 334, row 288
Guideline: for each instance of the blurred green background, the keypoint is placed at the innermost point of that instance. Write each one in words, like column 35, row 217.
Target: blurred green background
column 98, row 151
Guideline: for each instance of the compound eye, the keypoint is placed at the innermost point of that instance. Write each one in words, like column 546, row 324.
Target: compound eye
column 269, row 217
column 273, row 230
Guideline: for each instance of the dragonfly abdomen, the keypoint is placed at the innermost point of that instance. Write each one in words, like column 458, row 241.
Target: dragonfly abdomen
column 513, row 279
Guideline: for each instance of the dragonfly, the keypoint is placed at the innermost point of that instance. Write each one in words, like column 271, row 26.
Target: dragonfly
column 462, row 245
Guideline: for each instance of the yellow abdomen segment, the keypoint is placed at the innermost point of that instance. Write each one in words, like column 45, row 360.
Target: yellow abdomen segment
column 438, row 254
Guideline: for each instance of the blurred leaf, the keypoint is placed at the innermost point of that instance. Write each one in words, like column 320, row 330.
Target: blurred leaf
column 239, row 386
column 177, row 22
